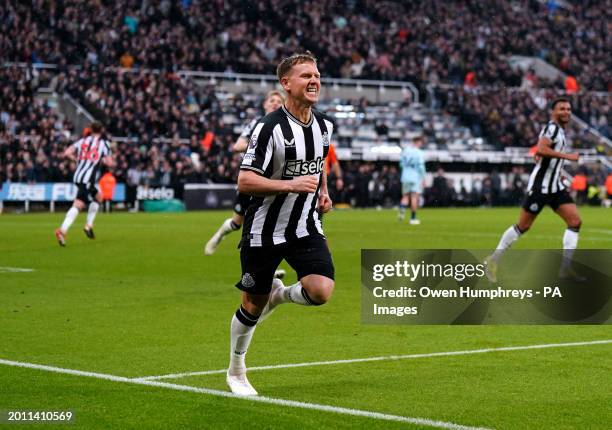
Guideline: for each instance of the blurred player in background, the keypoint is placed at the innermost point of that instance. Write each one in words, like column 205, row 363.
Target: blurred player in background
column 332, row 165
column 273, row 101
column 284, row 171
column 412, row 165
column 90, row 153
column 546, row 187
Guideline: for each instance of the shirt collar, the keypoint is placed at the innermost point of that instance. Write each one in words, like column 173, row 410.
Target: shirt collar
column 294, row 119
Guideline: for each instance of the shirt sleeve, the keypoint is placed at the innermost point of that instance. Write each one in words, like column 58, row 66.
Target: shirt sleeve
column 106, row 151
column 248, row 129
column 77, row 147
column 261, row 148
column 550, row 132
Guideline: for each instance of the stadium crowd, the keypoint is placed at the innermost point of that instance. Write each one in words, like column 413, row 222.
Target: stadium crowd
column 426, row 41
column 514, row 117
column 33, row 135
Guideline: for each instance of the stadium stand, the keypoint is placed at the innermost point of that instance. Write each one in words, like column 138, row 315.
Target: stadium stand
column 424, row 41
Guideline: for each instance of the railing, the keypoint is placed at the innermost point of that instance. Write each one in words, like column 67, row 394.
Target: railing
column 333, row 84
column 124, row 139
column 360, row 86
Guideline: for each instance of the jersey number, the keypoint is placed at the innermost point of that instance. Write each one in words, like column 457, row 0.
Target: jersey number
column 89, row 154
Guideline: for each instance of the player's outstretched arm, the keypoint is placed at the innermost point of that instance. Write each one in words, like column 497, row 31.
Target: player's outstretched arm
column 250, row 182
column 544, row 149
column 69, row 153
column 109, row 161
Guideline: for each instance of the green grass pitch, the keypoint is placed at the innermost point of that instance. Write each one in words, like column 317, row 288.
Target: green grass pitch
column 142, row 299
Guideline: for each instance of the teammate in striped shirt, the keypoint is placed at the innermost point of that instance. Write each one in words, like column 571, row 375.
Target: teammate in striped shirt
column 283, row 170
column 90, row 153
column 274, row 100
column 546, row 187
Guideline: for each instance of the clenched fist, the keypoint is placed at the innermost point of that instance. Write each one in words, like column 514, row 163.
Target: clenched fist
column 304, row 184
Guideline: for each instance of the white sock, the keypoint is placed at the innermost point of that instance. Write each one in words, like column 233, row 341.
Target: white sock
column 240, row 338
column 508, row 238
column 228, row 226
column 297, row 294
column 92, row 212
column 70, row 217
column 570, row 242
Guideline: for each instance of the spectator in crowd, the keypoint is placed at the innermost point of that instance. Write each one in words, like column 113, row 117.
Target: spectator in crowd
column 440, row 190
column 496, row 187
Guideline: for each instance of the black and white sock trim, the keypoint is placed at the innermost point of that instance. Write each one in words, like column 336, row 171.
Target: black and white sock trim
column 308, row 299
column 518, row 230
column 245, row 317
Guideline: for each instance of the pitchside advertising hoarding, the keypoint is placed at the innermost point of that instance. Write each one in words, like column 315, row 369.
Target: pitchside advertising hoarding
column 196, row 196
column 48, row 192
column 209, row 196
column 450, row 286
column 154, row 193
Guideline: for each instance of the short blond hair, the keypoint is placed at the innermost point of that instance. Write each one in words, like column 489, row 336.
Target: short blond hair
column 287, row 63
column 275, row 93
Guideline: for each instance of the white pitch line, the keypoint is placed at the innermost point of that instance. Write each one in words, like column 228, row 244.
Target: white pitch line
column 260, row 399
column 383, row 358
column 15, row 270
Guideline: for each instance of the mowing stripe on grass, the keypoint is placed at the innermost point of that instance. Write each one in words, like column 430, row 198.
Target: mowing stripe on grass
column 599, row 230
column 384, row 358
column 261, row 399
column 496, row 235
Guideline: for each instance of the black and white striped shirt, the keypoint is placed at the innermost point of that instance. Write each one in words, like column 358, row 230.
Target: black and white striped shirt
column 248, row 129
column 546, row 176
column 90, row 152
column 282, row 147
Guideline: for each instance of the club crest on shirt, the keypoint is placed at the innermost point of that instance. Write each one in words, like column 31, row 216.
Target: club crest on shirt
column 325, row 139
column 247, row 280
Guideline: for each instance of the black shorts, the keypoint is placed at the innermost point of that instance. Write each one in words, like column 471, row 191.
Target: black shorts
column 86, row 192
column 534, row 202
column 307, row 256
column 241, row 204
